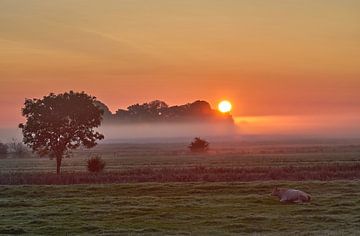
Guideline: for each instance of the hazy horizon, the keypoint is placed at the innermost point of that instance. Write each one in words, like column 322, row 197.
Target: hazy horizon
column 245, row 128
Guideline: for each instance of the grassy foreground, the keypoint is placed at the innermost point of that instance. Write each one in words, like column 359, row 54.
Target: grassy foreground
column 179, row 208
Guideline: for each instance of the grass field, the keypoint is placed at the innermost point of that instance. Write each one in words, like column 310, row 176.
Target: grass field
column 162, row 189
column 176, row 155
column 179, row 208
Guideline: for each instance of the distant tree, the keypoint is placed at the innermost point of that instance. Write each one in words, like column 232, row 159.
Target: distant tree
column 95, row 164
column 199, row 145
column 138, row 112
column 59, row 123
column 107, row 115
column 157, row 105
column 200, row 108
column 18, row 149
column 151, row 111
column 3, row 148
column 157, row 108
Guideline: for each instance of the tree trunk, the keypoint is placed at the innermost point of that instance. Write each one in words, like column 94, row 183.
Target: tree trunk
column 58, row 164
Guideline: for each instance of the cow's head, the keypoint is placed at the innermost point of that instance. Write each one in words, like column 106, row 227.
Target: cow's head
column 275, row 192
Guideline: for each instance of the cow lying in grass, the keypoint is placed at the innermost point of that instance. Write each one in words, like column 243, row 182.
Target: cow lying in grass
column 291, row 195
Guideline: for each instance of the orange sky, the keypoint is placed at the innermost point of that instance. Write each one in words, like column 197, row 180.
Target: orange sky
column 270, row 58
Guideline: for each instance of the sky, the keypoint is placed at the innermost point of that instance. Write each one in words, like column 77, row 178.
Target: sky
column 282, row 63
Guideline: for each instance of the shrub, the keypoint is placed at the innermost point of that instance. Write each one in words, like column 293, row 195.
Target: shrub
column 199, row 145
column 95, row 164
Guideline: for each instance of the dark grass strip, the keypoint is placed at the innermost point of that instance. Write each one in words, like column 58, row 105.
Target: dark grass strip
column 324, row 172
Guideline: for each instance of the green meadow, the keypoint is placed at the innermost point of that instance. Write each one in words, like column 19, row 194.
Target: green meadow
column 158, row 202
column 179, row 208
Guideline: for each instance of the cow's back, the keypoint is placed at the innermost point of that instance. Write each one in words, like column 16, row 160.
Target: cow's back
column 293, row 195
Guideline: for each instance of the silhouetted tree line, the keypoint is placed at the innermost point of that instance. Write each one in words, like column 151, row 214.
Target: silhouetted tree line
column 159, row 111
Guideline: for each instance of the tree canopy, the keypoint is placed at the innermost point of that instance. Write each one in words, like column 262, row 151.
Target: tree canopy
column 58, row 123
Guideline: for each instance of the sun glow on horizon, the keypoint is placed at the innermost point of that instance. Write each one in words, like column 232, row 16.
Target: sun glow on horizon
column 224, row 106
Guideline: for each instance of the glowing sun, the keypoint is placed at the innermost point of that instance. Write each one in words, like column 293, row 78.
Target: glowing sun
column 224, row 106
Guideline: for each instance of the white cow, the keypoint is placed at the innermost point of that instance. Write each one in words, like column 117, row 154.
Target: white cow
column 291, row 195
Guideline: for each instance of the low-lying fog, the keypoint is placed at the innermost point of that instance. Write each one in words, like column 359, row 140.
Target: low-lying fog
column 148, row 131
column 244, row 128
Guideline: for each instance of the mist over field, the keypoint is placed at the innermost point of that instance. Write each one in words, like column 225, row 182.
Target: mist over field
column 268, row 128
column 167, row 130
column 231, row 132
